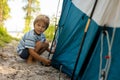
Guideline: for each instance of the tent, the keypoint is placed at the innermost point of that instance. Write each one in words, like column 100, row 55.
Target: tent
column 91, row 54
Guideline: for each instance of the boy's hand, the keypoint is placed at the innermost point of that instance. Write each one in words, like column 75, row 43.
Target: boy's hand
column 46, row 62
column 52, row 51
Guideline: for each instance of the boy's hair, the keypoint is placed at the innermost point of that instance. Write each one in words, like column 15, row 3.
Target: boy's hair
column 43, row 18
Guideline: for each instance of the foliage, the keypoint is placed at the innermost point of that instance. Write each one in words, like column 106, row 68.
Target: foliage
column 4, row 10
column 49, row 33
column 4, row 14
column 31, row 7
column 27, row 23
column 4, row 36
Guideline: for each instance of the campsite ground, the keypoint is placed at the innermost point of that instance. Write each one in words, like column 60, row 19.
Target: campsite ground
column 12, row 67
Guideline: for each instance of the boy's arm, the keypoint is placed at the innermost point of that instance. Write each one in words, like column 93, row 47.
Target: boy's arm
column 48, row 49
column 38, row 57
column 51, row 51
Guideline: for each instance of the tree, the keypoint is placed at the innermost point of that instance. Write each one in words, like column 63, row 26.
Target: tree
column 4, row 11
column 31, row 7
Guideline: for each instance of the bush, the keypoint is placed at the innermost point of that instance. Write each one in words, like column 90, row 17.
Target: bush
column 4, row 36
column 49, row 33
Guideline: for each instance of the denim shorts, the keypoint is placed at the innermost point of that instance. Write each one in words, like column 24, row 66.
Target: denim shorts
column 24, row 54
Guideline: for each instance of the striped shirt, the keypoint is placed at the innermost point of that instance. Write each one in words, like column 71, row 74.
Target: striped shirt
column 29, row 40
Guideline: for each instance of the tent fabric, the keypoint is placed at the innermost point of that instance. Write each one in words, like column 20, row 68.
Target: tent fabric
column 92, row 71
column 105, row 11
column 71, row 28
column 70, row 31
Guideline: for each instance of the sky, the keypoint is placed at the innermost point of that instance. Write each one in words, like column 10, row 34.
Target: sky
column 16, row 21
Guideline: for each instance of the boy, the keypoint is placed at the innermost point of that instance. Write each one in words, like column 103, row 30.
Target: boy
column 34, row 42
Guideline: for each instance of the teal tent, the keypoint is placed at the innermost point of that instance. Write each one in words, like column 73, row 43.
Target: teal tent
column 99, row 51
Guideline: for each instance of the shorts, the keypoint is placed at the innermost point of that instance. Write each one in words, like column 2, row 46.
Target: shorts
column 25, row 54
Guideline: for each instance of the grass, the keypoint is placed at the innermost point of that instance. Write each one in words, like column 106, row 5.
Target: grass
column 4, row 36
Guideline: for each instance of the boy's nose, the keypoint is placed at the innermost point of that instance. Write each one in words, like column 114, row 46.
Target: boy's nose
column 40, row 27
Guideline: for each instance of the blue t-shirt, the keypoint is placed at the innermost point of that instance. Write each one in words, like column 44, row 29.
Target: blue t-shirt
column 29, row 41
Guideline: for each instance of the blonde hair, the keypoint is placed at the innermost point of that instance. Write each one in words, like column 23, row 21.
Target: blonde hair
column 43, row 18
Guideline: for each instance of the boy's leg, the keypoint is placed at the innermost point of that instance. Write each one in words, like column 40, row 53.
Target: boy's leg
column 25, row 55
column 41, row 47
column 30, row 59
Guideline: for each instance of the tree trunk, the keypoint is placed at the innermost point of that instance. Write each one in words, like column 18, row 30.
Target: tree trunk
column 29, row 8
column 1, row 12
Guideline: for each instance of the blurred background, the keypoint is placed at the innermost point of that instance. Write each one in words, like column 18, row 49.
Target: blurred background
column 16, row 17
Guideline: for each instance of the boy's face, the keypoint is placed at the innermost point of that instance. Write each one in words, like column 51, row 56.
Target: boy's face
column 39, row 27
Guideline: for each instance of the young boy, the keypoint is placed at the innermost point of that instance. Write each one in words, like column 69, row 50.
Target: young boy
column 34, row 42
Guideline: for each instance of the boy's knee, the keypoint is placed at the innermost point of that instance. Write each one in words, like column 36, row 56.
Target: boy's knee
column 42, row 44
column 38, row 43
column 45, row 44
column 38, row 46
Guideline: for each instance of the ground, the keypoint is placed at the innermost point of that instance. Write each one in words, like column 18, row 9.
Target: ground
column 12, row 67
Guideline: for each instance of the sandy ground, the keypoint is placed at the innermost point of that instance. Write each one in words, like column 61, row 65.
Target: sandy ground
column 12, row 67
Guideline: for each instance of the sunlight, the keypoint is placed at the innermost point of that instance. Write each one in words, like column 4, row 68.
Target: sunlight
column 16, row 23
column 6, row 70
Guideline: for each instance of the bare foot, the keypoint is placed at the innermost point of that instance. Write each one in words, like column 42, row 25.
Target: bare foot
column 46, row 62
column 29, row 61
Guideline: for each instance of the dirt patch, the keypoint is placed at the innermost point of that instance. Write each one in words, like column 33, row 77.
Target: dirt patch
column 12, row 67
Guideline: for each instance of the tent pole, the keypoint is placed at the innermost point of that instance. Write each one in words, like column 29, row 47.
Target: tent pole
column 83, row 39
column 56, row 28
